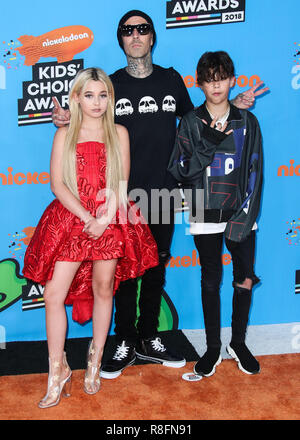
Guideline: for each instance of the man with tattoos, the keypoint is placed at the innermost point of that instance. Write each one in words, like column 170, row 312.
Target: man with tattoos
column 148, row 100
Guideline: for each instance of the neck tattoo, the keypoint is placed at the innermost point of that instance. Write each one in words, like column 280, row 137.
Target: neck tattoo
column 139, row 67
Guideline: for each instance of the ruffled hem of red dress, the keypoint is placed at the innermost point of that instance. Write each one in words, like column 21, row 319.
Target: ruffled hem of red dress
column 134, row 247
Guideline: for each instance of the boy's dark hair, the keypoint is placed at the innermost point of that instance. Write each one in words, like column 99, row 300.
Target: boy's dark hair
column 214, row 66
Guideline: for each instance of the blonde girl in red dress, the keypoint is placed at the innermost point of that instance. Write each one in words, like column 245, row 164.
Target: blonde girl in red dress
column 81, row 250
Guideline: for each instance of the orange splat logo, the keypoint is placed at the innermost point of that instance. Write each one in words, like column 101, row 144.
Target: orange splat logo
column 63, row 43
column 28, row 234
column 18, row 242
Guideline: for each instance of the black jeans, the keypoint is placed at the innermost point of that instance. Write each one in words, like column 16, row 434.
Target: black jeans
column 152, row 284
column 209, row 247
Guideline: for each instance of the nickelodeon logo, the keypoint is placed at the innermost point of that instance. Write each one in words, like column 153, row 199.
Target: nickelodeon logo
column 241, row 80
column 63, row 44
column 63, row 39
column 21, row 178
column 291, row 170
column 188, row 261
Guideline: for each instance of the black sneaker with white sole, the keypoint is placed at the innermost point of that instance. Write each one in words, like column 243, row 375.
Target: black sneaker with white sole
column 154, row 350
column 245, row 359
column 123, row 357
column 206, row 366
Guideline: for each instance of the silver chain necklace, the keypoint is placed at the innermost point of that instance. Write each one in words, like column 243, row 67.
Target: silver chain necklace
column 221, row 121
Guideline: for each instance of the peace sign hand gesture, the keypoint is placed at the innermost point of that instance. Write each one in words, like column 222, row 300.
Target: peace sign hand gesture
column 246, row 99
column 60, row 117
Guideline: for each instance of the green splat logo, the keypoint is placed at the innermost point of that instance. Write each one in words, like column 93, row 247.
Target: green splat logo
column 168, row 317
column 11, row 283
column 14, row 287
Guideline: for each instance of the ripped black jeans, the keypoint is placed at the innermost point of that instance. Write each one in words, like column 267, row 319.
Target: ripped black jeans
column 209, row 247
column 152, row 285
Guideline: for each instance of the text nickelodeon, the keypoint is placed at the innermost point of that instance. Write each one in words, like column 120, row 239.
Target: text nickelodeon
column 63, row 39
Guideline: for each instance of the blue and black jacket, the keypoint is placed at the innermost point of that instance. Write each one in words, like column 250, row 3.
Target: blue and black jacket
column 227, row 167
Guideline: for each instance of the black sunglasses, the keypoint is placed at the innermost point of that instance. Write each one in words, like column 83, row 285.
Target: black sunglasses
column 143, row 29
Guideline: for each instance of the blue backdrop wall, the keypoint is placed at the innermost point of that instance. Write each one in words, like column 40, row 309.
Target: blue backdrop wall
column 265, row 45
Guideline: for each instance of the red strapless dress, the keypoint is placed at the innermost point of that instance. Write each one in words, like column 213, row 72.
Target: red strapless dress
column 59, row 237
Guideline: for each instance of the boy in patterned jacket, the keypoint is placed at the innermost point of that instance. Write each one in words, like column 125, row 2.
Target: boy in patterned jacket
column 218, row 150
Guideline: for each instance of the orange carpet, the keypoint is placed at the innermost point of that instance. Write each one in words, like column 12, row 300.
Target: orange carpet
column 154, row 392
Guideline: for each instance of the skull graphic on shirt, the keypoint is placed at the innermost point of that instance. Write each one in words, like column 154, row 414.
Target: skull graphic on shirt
column 169, row 104
column 148, row 105
column 124, row 107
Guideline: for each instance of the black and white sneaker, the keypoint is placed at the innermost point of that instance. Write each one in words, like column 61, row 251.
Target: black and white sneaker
column 124, row 357
column 153, row 349
column 242, row 355
column 206, row 366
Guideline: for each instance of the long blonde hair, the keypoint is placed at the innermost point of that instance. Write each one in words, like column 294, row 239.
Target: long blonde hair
column 114, row 168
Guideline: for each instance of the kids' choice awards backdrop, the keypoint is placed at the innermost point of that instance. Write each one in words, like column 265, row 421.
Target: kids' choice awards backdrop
column 41, row 52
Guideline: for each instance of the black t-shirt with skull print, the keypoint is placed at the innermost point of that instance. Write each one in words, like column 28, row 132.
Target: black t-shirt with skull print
column 148, row 108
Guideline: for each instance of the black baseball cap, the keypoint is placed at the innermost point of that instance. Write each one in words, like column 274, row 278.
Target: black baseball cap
column 133, row 13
